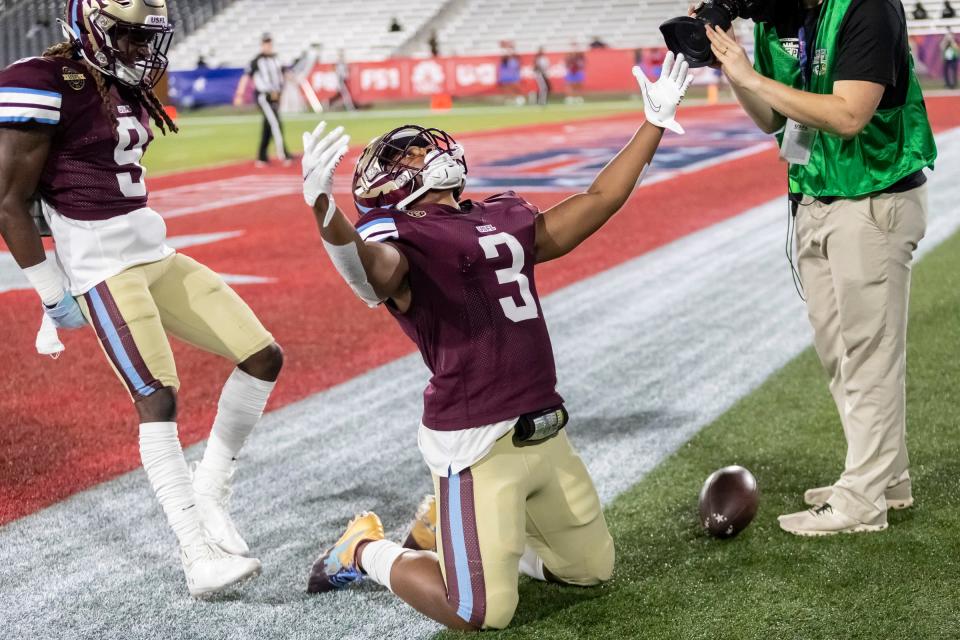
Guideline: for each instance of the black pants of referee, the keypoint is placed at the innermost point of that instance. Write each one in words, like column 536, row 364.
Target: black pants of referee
column 269, row 104
column 543, row 87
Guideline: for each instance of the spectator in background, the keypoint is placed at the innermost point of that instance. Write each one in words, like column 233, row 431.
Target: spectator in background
column 948, row 11
column 575, row 63
column 343, row 84
column 395, row 25
column 434, row 44
column 919, row 13
column 268, row 78
column 508, row 76
column 597, row 43
column 541, row 74
column 951, row 51
column 202, row 62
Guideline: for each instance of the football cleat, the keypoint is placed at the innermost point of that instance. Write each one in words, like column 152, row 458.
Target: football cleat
column 824, row 521
column 213, row 504
column 898, row 496
column 423, row 529
column 338, row 566
column 209, row 569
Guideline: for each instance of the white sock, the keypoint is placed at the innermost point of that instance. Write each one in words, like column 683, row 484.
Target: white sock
column 241, row 405
column 166, row 469
column 531, row 564
column 377, row 560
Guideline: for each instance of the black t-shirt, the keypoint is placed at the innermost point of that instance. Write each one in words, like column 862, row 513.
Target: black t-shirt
column 872, row 46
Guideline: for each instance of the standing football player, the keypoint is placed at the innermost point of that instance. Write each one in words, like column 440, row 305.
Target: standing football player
column 74, row 124
column 458, row 277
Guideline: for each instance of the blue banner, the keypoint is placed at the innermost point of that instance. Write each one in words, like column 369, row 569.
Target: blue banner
column 204, row 87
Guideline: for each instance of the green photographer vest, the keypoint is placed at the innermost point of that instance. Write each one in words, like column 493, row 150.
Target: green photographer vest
column 895, row 143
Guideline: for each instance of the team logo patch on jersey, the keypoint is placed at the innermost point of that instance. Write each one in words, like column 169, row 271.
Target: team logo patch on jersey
column 74, row 79
column 416, row 213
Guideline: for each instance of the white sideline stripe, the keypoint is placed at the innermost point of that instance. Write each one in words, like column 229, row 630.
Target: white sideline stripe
column 12, row 278
column 636, row 390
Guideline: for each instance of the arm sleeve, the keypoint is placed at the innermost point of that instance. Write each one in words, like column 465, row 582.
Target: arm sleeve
column 869, row 42
column 30, row 92
column 253, row 66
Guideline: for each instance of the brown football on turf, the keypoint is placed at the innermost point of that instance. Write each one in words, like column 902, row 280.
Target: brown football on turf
column 728, row 501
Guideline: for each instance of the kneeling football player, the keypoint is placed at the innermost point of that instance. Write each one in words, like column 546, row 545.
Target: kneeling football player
column 458, row 277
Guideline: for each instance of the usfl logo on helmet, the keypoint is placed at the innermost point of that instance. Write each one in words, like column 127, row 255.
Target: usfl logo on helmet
column 385, row 179
column 126, row 39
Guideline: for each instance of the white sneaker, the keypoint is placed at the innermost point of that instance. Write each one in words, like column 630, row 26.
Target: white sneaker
column 898, row 496
column 213, row 503
column 825, row 521
column 210, row 569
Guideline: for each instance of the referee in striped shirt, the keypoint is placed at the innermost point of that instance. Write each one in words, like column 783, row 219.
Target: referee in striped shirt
column 268, row 78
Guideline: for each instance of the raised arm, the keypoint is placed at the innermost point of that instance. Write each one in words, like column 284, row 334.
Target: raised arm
column 564, row 226
column 375, row 271
column 844, row 113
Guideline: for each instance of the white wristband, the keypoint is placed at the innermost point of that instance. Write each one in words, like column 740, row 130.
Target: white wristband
column 47, row 279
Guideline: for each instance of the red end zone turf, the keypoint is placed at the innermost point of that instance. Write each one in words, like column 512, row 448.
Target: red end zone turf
column 67, row 424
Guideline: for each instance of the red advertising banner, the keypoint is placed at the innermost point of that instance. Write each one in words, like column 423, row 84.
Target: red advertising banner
column 603, row 70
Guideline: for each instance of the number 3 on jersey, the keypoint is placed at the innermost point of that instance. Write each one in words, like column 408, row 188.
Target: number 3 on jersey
column 132, row 183
column 513, row 311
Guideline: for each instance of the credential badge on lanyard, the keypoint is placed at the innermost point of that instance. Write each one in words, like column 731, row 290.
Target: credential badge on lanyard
column 798, row 138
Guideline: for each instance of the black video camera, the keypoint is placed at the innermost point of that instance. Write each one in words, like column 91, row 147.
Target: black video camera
column 688, row 35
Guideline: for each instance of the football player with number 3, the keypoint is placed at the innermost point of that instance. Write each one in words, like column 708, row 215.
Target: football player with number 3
column 458, row 276
column 74, row 124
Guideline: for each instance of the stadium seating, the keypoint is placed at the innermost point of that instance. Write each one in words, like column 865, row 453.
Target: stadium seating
column 463, row 27
column 361, row 29
column 480, row 26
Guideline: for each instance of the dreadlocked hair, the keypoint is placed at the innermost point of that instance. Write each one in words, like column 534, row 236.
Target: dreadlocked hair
column 152, row 104
column 146, row 97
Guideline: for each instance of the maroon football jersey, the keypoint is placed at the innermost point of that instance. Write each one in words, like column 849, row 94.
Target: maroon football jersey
column 475, row 315
column 93, row 171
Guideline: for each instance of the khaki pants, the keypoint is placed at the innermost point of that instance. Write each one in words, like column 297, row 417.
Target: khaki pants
column 133, row 311
column 540, row 495
column 854, row 258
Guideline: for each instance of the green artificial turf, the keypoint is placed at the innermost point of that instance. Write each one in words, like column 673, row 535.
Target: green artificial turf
column 672, row 581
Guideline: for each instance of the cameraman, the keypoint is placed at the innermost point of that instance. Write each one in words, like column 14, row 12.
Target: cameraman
column 836, row 76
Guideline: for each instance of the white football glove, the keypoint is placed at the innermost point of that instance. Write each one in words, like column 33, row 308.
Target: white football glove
column 660, row 98
column 321, row 156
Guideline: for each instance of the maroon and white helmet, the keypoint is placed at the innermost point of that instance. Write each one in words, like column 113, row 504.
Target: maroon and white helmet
column 96, row 27
column 382, row 180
